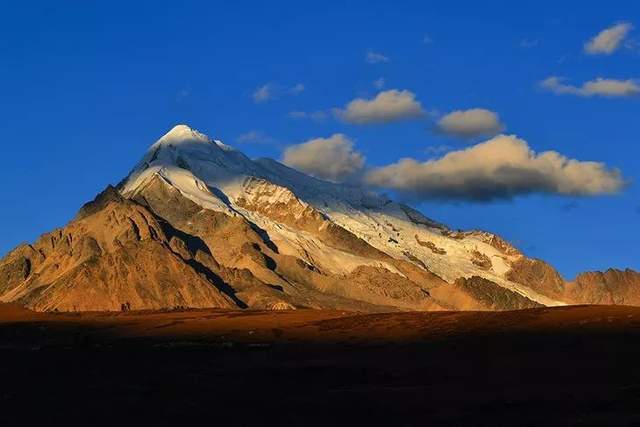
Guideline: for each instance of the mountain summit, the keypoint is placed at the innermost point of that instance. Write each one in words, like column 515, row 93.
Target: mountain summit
column 197, row 223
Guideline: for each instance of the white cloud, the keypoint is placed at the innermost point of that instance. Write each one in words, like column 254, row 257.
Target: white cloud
column 500, row 168
column 263, row 93
column 608, row 40
column 332, row 158
column 379, row 83
column 470, row 123
column 388, row 106
column 375, row 57
column 597, row 87
column 611, row 87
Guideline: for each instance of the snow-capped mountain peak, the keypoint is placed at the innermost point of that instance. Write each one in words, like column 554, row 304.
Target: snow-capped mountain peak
column 221, row 178
column 183, row 134
column 198, row 223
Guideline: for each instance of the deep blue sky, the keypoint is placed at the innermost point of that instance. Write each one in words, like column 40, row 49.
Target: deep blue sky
column 85, row 88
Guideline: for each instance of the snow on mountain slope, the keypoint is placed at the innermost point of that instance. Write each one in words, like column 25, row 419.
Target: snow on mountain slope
column 288, row 204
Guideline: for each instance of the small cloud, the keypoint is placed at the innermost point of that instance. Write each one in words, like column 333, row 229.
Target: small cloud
column 427, row 40
column 388, row 106
column 501, row 168
column 254, row 137
column 263, row 93
column 379, row 83
column 375, row 58
column 332, row 158
column 316, row 116
column 608, row 40
column 470, row 123
column 297, row 89
column 599, row 87
column 529, row 43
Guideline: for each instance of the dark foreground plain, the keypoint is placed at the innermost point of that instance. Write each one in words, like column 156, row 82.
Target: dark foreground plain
column 551, row 366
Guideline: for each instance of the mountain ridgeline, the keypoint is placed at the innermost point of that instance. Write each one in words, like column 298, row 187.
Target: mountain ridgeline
column 198, row 224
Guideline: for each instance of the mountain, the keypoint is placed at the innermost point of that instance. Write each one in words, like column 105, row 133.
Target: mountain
column 198, row 224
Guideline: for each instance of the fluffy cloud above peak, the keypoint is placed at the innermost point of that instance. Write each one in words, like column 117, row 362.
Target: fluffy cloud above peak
column 608, row 40
column 500, row 168
column 598, row 87
column 332, row 158
column 388, row 106
column 470, row 123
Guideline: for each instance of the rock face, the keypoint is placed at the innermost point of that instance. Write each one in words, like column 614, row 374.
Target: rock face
column 198, row 224
column 538, row 275
column 121, row 253
column 609, row 287
column 493, row 297
column 595, row 287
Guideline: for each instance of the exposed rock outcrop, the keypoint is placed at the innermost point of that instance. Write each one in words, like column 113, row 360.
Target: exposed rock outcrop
column 538, row 275
column 492, row 296
column 116, row 255
column 613, row 286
